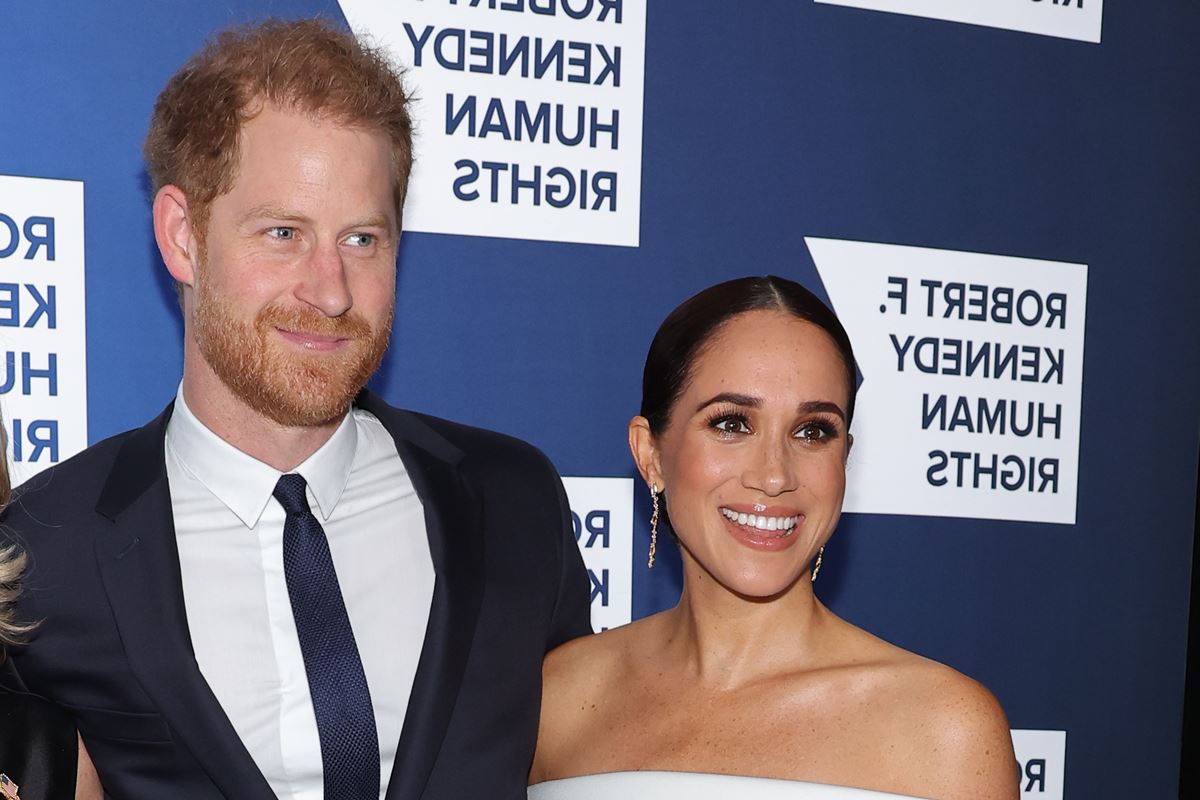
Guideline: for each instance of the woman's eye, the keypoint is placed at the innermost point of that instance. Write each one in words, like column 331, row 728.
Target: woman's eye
column 814, row 432
column 360, row 239
column 731, row 425
column 282, row 233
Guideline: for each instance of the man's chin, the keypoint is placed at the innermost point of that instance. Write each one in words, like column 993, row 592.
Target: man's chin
column 293, row 387
column 311, row 415
column 306, row 397
column 301, row 395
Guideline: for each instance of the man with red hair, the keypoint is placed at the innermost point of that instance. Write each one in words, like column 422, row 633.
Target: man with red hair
column 282, row 586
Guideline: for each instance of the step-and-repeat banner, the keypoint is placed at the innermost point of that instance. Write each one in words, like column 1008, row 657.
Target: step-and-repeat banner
column 997, row 197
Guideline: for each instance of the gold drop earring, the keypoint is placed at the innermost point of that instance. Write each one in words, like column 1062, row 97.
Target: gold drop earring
column 653, row 525
column 817, row 565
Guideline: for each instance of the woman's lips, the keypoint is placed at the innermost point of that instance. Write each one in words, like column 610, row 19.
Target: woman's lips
column 760, row 519
column 770, row 528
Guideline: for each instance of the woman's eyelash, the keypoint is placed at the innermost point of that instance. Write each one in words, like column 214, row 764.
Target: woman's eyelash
column 826, row 429
column 726, row 415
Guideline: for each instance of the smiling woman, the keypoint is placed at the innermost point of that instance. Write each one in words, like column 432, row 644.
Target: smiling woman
column 748, row 395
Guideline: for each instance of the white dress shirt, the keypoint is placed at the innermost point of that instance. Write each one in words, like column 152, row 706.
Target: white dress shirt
column 230, row 534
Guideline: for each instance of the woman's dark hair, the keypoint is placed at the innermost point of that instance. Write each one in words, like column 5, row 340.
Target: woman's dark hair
column 12, row 566
column 690, row 327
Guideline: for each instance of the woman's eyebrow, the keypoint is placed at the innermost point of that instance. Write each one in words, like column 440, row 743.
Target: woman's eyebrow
column 749, row 401
column 733, row 398
column 815, row 406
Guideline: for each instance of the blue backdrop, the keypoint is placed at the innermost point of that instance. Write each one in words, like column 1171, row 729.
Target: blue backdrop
column 766, row 122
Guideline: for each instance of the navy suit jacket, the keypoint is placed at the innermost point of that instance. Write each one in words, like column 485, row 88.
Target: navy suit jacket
column 113, row 646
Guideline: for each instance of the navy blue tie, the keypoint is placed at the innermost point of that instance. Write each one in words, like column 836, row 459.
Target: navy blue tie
column 340, row 698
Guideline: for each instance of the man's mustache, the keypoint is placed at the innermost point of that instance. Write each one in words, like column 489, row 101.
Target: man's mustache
column 306, row 320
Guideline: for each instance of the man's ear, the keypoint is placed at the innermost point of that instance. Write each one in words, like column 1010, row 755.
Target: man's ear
column 645, row 452
column 174, row 233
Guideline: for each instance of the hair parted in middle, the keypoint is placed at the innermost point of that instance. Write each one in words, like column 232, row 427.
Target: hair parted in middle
column 306, row 65
column 689, row 328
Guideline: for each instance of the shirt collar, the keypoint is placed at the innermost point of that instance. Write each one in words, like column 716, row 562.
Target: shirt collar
column 243, row 483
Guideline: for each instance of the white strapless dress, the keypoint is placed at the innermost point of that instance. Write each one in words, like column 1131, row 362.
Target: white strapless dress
column 694, row 786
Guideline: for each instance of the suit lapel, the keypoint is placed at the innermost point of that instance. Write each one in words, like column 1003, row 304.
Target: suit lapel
column 139, row 564
column 454, row 526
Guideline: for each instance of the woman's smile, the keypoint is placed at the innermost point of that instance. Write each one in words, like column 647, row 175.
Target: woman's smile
column 762, row 529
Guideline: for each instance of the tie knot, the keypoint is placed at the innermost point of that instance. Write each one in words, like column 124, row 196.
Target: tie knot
column 290, row 492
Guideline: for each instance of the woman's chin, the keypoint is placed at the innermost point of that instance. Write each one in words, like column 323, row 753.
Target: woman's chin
column 760, row 582
column 766, row 590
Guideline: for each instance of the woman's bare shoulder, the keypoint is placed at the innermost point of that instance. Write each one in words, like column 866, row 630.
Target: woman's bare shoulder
column 958, row 743
column 581, row 679
column 590, row 663
column 941, row 733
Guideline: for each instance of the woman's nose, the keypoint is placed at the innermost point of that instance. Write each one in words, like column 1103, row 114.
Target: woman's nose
column 770, row 470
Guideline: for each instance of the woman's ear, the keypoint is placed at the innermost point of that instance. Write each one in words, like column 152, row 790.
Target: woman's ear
column 645, row 452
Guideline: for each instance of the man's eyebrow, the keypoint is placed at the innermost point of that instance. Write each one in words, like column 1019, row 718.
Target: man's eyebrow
column 379, row 220
column 733, row 398
column 273, row 212
column 376, row 220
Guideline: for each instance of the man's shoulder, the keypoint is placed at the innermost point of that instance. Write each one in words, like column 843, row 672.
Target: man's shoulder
column 471, row 439
column 76, row 482
column 458, row 441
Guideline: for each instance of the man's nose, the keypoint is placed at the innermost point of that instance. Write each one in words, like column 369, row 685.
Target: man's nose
column 324, row 284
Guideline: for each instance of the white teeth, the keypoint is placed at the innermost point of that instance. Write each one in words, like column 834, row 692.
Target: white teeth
column 760, row 522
